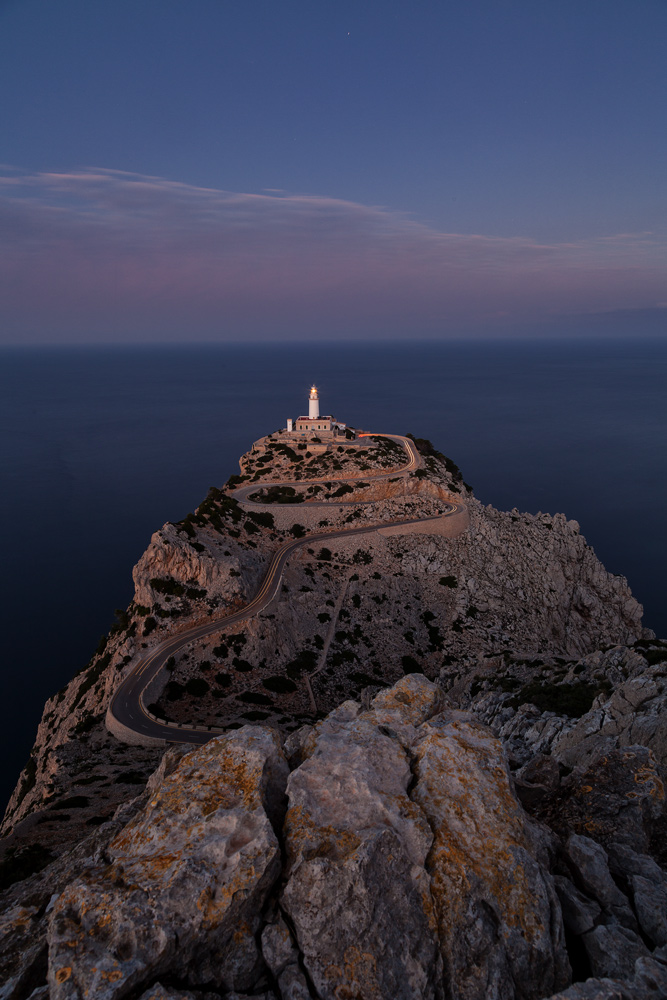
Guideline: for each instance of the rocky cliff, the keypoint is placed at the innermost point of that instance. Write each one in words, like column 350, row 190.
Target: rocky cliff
column 381, row 853
column 360, row 830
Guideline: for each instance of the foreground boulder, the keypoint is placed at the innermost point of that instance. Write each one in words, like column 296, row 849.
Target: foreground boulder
column 358, row 892
column 186, row 879
column 499, row 919
column 394, row 862
column 435, row 891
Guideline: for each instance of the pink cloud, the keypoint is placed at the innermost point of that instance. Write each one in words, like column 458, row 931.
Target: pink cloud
column 102, row 254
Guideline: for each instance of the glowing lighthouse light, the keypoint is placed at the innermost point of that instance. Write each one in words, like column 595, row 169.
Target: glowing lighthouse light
column 313, row 404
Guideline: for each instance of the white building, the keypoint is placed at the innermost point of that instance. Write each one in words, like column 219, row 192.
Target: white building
column 315, row 425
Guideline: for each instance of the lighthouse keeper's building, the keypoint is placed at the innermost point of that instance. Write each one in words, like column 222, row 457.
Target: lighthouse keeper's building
column 324, row 427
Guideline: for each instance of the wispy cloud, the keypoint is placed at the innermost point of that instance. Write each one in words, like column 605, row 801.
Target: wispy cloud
column 101, row 254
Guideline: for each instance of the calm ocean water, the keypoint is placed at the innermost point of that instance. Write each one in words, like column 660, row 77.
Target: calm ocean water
column 101, row 446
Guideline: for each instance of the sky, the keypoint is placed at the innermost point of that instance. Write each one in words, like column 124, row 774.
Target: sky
column 209, row 170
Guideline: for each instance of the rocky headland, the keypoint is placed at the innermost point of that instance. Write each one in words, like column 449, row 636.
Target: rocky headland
column 436, row 765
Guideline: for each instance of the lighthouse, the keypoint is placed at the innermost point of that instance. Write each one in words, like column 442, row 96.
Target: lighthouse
column 317, row 427
column 313, row 404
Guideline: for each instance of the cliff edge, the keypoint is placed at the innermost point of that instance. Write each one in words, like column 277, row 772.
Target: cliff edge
column 436, row 765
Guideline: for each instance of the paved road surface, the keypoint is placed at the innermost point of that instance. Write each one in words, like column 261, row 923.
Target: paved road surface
column 243, row 493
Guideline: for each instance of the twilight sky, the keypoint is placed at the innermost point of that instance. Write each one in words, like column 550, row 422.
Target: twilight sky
column 183, row 170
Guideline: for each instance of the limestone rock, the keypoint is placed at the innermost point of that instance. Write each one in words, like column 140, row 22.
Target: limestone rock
column 650, row 978
column 580, row 913
column 588, row 860
column 649, row 982
column 596, row 989
column 628, row 709
column 278, row 947
column 369, row 870
column 159, row 992
column 358, row 894
column 647, row 884
column 19, row 936
column 292, row 984
column 634, row 714
column 537, row 780
column 617, row 799
column 170, row 556
column 410, row 870
column 650, row 901
column 294, row 745
column 26, row 905
column 186, row 880
column 613, row 950
column 282, row 959
column 410, row 702
column 499, row 920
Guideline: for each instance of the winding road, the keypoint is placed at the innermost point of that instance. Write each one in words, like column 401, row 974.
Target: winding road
column 242, row 494
column 127, row 715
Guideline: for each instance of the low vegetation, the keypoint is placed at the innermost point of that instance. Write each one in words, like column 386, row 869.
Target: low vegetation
column 573, row 700
column 19, row 863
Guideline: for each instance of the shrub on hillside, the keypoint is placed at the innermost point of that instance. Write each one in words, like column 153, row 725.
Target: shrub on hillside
column 197, row 687
column 305, row 660
column 174, row 691
column 130, row 778
column 573, row 700
column 254, row 698
column 73, row 802
column 165, row 585
column 242, row 665
column 362, row 558
column 263, row 518
column 149, row 625
column 20, row 863
column 278, row 684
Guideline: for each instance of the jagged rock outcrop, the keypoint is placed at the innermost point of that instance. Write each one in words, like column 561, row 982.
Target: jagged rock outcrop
column 648, row 981
column 215, row 568
column 633, row 714
column 351, row 612
column 185, row 880
column 486, row 837
column 377, row 603
column 394, row 861
column 410, row 870
column 358, row 892
column 498, row 915
column 576, row 711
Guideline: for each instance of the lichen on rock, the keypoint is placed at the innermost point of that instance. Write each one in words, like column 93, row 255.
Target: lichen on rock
column 185, row 880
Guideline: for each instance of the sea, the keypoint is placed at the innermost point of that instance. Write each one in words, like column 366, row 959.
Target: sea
column 100, row 446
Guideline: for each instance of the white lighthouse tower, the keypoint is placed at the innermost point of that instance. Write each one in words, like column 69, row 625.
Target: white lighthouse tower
column 313, row 404
column 316, row 427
